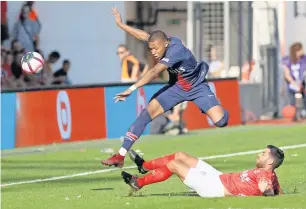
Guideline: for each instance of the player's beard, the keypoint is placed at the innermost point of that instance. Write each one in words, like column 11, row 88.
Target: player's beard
column 259, row 163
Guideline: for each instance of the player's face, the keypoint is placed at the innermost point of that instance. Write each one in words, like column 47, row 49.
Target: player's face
column 263, row 159
column 158, row 48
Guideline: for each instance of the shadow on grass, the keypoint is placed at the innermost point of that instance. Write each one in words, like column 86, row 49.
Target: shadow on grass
column 171, row 194
column 102, row 189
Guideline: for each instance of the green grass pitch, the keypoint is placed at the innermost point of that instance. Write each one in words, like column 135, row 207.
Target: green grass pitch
column 107, row 190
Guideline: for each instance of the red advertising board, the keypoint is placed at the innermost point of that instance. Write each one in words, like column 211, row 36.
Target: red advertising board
column 45, row 117
column 227, row 91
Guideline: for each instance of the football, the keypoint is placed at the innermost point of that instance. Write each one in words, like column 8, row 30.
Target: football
column 32, row 63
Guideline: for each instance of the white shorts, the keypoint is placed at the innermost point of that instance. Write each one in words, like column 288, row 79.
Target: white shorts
column 204, row 179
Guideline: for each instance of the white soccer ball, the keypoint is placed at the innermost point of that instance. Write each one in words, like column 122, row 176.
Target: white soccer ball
column 32, row 63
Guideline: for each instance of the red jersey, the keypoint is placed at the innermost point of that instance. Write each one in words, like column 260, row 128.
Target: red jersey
column 246, row 183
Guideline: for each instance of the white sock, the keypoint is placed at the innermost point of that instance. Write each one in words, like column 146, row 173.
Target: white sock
column 122, row 151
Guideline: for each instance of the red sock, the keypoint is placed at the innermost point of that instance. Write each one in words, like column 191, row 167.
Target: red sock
column 157, row 175
column 158, row 162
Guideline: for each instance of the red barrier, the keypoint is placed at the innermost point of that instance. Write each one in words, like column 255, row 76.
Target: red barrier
column 45, row 117
column 227, row 91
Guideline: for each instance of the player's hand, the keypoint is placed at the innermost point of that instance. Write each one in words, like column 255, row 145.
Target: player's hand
column 123, row 95
column 263, row 185
column 117, row 15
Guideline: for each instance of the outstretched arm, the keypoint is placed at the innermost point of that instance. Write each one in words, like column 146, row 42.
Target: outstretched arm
column 139, row 34
column 151, row 74
column 146, row 78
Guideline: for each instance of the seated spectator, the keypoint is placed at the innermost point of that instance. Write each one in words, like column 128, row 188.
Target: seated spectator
column 26, row 30
column 131, row 68
column 47, row 73
column 4, row 27
column 7, row 78
column 16, row 47
column 17, row 71
column 215, row 65
column 61, row 76
column 170, row 122
column 7, row 62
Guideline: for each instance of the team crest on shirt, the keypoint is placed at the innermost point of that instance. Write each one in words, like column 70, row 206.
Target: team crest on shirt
column 176, row 71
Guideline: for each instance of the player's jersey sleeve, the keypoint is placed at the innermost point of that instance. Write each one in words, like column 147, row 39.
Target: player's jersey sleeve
column 278, row 190
column 263, row 175
column 272, row 181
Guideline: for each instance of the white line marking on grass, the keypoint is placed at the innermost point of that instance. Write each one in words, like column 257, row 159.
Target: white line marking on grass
column 131, row 167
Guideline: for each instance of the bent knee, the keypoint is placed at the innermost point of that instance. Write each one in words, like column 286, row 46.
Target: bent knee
column 223, row 121
column 154, row 108
column 172, row 165
column 180, row 156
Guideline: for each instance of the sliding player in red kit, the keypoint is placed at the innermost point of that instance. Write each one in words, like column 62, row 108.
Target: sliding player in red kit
column 208, row 181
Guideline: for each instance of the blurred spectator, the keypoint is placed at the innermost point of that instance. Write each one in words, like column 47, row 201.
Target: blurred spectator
column 4, row 25
column 294, row 72
column 47, row 73
column 247, row 71
column 215, row 65
column 7, row 78
column 17, row 71
column 61, row 76
column 26, row 30
column 131, row 68
column 16, row 47
column 34, row 16
column 170, row 122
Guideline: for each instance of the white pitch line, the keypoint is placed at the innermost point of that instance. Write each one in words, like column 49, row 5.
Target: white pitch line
column 131, row 167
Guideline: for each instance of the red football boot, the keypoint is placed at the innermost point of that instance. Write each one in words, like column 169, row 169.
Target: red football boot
column 116, row 160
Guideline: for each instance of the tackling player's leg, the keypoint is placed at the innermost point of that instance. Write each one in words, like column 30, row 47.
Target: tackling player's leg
column 157, row 175
column 162, row 101
column 145, row 166
column 202, row 177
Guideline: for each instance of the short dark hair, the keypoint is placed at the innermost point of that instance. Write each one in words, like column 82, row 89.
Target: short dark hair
column 55, row 54
column 123, row 46
column 277, row 154
column 158, row 35
column 66, row 62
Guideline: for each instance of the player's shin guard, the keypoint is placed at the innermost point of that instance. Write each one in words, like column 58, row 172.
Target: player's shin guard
column 157, row 175
column 224, row 120
column 135, row 131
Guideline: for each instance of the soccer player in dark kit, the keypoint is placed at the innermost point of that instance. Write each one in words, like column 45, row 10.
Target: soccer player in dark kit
column 187, row 83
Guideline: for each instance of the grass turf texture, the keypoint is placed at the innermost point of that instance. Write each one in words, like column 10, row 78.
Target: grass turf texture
column 107, row 190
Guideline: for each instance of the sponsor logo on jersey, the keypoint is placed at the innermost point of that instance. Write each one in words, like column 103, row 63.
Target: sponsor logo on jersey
column 177, row 71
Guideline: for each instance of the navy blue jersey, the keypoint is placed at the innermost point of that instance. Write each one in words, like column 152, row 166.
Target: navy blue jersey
column 184, row 69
